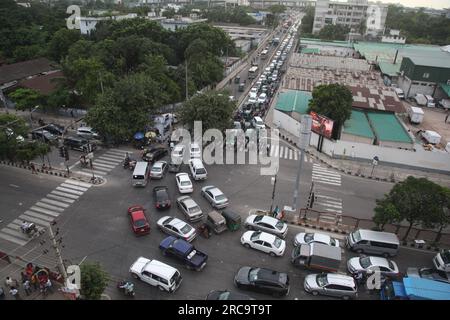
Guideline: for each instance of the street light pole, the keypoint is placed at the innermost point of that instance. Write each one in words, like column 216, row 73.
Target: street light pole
column 274, row 182
column 305, row 136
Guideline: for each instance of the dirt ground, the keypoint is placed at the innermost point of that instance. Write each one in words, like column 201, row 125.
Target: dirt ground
column 433, row 120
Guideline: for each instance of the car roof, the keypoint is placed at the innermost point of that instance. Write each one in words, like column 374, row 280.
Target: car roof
column 340, row 279
column 214, row 190
column 264, row 236
column 183, row 176
column 379, row 236
column 137, row 215
column 379, row 261
column 269, row 220
column 85, row 128
column 267, row 274
column 320, row 237
column 189, row 202
column 177, row 222
column 162, row 269
column 159, row 164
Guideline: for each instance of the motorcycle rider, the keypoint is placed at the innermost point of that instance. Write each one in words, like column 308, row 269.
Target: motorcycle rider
column 128, row 287
column 24, row 226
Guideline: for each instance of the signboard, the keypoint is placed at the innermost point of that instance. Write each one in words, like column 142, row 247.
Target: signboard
column 321, row 125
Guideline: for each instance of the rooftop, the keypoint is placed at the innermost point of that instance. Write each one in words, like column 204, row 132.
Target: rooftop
column 384, row 99
column 21, row 70
column 293, row 101
column 45, row 84
column 388, row 128
column 358, row 125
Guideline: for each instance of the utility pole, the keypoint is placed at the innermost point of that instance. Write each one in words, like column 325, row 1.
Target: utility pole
column 305, row 136
column 55, row 244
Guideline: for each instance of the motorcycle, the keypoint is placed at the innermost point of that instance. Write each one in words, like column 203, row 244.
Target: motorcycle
column 30, row 229
column 129, row 164
column 127, row 287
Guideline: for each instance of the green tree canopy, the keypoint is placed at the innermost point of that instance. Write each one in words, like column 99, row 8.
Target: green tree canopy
column 61, row 41
column 334, row 32
column 214, row 109
column 308, row 21
column 93, row 280
column 26, row 99
column 416, row 201
column 333, row 101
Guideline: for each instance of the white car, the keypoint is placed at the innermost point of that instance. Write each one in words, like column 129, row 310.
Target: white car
column 251, row 100
column 264, row 242
column 87, row 132
column 266, row 224
column 369, row 264
column 258, row 123
column 195, row 150
column 184, row 183
column 178, row 154
column 215, row 197
column 190, row 208
column 306, row 238
column 262, row 98
column 176, row 227
column 158, row 170
column 253, row 92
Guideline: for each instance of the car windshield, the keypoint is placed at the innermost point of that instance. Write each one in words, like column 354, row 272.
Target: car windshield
column 220, row 197
column 333, row 242
column 277, row 243
column 365, row 262
column 309, row 237
column 185, row 183
column 279, row 225
column 156, row 169
column 391, row 265
column 200, row 171
column 186, row 229
column 140, row 223
column 255, row 235
column 253, row 274
column 356, row 236
column 194, row 209
column 446, row 256
column 162, row 195
column 322, row 280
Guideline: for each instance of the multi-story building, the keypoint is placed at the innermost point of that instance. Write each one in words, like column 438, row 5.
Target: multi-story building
column 351, row 13
column 263, row 4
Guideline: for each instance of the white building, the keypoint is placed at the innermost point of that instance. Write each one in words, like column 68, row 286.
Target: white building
column 180, row 22
column 351, row 14
column 87, row 24
column 393, row 37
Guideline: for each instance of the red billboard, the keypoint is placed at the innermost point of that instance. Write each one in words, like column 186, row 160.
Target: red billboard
column 321, row 125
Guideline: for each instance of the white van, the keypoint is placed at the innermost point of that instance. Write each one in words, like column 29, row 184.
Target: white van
column 178, row 154
column 198, row 170
column 430, row 101
column 156, row 273
column 195, row 151
column 374, row 242
column 400, row 93
column 140, row 174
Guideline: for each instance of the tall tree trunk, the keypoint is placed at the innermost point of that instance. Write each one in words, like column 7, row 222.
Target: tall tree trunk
column 407, row 231
column 439, row 234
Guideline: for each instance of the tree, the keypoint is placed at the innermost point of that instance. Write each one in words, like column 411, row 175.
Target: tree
column 439, row 218
column 308, row 20
column 333, row 101
column 93, row 280
column 413, row 200
column 169, row 13
column 26, row 98
column 334, row 32
column 61, row 41
column 214, row 109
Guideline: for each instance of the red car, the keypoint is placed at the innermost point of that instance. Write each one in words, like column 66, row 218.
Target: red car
column 139, row 222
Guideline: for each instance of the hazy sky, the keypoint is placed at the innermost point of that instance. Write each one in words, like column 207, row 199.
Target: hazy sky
column 436, row 4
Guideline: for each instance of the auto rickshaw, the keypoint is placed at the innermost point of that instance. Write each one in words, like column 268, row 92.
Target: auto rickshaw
column 232, row 219
column 237, row 79
column 216, row 222
column 241, row 87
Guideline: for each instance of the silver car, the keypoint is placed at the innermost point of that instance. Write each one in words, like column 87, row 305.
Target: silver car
column 370, row 264
column 331, row 284
column 267, row 224
column 215, row 197
column 158, row 170
column 190, row 208
column 176, row 227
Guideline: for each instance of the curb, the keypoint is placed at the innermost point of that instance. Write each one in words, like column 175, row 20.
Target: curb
column 347, row 172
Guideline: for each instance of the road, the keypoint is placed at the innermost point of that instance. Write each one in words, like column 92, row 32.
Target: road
column 95, row 226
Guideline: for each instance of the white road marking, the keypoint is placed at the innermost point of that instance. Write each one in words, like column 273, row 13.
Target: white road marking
column 47, row 206
column 55, row 203
column 60, row 198
column 78, row 183
column 64, row 194
column 72, row 186
column 38, row 209
column 69, row 190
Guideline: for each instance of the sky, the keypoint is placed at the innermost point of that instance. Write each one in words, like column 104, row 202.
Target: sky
column 435, row 4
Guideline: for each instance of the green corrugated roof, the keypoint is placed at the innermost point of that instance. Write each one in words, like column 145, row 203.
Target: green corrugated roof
column 325, row 43
column 358, row 125
column 387, row 127
column 310, row 50
column 389, row 68
column 293, row 101
column 446, row 88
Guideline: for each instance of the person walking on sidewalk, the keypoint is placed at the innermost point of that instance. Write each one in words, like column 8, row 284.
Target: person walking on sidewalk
column 15, row 293
column 9, row 282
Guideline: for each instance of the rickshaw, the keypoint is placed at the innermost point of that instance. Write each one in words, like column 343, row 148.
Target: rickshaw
column 216, row 222
column 237, row 79
column 241, row 87
column 232, row 219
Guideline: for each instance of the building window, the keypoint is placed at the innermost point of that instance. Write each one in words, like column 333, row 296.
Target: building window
column 426, row 75
column 347, row 20
column 328, row 20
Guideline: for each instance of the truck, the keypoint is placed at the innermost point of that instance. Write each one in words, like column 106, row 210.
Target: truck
column 182, row 250
column 317, row 256
column 431, row 136
column 415, row 115
column 412, row 288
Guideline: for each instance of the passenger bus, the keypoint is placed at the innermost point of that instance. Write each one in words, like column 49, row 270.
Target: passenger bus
column 264, row 54
column 253, row 72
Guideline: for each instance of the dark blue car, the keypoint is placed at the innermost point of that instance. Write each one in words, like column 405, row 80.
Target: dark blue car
column 184, row 251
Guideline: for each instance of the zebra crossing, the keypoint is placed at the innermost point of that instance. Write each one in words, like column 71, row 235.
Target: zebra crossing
column 326, row 176
column 328, row 203
column 45, row 210
column 105, row 163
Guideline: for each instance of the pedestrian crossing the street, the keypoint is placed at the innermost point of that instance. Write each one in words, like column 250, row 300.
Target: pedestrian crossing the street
column 326, row 176
column 103, row 164
column 45, row 210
